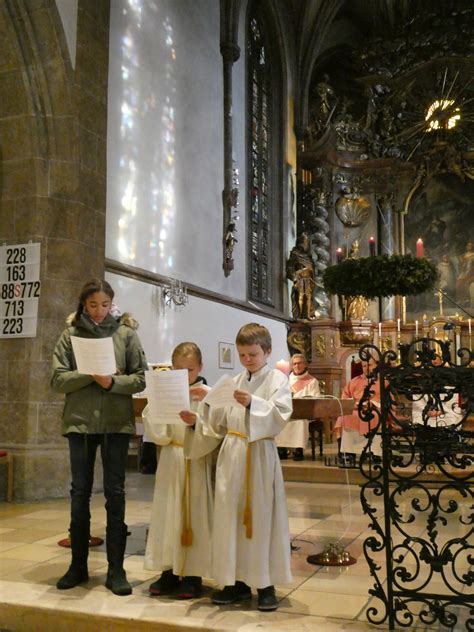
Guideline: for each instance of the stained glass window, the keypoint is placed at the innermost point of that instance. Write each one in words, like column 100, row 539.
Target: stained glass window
column 261, row 155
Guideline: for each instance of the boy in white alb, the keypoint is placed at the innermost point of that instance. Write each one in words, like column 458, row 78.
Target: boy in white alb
column 251, row 542
column 179, row 538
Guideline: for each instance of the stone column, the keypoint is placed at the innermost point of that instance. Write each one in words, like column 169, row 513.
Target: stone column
column 53, row 121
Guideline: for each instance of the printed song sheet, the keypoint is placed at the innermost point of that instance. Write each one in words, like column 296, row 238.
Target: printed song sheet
column 168, row 395
column 94, row 356
column 222, row 393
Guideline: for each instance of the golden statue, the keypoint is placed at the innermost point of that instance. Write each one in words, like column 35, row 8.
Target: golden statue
column 300, row 270
column 356, row 306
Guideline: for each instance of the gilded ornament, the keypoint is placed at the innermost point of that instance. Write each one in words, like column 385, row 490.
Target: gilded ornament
column 319, row 345
column 299, row 342
column 352, row 208
column 356, row 307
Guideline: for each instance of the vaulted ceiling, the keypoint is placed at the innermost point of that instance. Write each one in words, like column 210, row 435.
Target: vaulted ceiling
column 332, row 30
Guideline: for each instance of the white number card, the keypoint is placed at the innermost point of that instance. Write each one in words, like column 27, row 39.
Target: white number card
column 20, row 288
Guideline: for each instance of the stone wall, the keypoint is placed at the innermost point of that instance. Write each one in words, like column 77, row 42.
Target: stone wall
column 53, row 122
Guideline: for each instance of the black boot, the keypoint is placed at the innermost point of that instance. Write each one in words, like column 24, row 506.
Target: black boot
column 267, row 599
column 298, row 454
column 77, row 572
column 116, row 541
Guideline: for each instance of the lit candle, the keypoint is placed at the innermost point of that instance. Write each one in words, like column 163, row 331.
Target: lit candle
column 469, row 326
column 420, row 252
column 398, row 325
column 339, row 255
column 416, row 328
column 372, row 246
column 380, row 331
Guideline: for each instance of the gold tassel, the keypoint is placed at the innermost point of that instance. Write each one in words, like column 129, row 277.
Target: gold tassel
column 187, row 532
column 247, row 521
column 186, row 537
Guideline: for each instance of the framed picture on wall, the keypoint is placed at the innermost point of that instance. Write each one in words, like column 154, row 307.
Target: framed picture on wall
column 226, row 355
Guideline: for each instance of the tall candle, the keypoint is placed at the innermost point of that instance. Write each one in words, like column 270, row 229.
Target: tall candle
column 416, row 328
column 398, row 325
column 469, row 326
column 372, row 246
column 339, row 255
column 380, row 331
column 420, row 251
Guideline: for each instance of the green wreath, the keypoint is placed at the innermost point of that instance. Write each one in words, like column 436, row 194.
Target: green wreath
column 371, row 277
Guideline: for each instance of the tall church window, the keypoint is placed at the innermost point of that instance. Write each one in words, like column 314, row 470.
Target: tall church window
column 264, row 201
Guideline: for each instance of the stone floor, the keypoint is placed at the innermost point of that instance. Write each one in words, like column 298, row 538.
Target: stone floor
column 320, row 598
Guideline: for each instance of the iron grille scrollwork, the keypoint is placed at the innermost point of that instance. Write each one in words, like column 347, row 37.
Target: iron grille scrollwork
column 422, row 483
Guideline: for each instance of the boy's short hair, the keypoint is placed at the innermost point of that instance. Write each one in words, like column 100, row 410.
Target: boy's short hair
column 254, row 334
column 186, row 349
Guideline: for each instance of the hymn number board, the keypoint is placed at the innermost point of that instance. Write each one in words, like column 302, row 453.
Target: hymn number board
column 20, row 287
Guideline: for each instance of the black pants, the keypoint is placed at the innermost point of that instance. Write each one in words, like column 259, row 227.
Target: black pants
column 148, row 461
column 82, row 453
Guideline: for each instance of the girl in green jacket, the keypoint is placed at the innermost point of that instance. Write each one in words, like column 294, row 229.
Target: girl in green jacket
column 98, row 411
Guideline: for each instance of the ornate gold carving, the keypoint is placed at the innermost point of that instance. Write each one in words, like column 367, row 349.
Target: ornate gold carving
column 351, row 208
column 356, row 307
column 299, row 341
column 386, row 344
column 355, row 336
column 319, row 345
column 322, row 387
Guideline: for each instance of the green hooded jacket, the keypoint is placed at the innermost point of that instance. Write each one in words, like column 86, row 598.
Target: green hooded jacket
column 89, row 408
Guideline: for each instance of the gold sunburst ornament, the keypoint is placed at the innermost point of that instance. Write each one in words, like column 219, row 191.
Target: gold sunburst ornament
column 442, row 114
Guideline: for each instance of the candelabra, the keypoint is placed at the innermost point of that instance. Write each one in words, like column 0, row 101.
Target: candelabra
column 175, row 294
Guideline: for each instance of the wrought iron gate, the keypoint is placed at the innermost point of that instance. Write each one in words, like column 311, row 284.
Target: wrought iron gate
column 418, row 494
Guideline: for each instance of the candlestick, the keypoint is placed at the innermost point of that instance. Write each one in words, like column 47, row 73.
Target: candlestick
column 372, row 246
column 440, row 302
column 456, row 347
column 420, row 251
column 416, row 328
column 339, row 255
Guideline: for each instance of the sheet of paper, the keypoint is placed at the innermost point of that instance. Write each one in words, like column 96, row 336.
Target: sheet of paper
column 94, row 356
column 168, row 395
column 222, row 393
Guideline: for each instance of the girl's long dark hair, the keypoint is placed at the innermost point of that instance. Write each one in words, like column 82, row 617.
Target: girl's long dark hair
column 91, row 287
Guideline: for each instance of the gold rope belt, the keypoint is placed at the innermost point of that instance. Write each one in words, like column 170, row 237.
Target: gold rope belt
column 187, row 532
column 247, row 519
